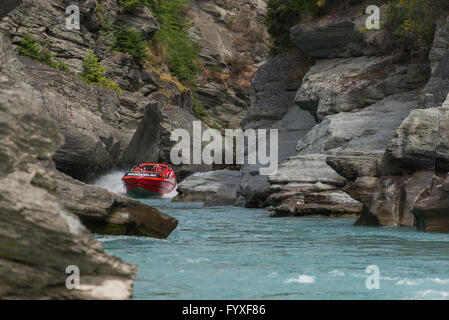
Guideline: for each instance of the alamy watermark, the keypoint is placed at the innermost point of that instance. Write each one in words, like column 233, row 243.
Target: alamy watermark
column 373, row 280
column 73, row 21
column 189, row 149
column 373, row 20
column 72, row 282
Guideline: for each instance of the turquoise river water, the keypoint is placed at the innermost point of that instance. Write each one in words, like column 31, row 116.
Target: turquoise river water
column 237, row 253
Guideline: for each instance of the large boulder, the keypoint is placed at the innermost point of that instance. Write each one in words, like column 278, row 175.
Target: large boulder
column 39, row 237
column 104, row 212
column 272, row 93
column 306, row 185
column 214, row 188
column 343, row 85
column 388, row 200
column 422, row 143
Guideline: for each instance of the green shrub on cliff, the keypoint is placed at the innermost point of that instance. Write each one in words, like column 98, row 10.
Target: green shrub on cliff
column 173, row 42
column 131, row 41
column 414, row 21
column 130, row 6
column 94, row 73
column 30, row 47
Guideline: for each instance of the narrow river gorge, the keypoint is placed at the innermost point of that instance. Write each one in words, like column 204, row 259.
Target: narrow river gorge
column 237, row 253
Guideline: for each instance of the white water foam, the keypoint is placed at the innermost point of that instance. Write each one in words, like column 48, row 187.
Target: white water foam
column 431, row 294
column 409, row 282
column 337, row 273
column 301, row 279
column 438, row 280
column 111, row 182
column 199, row 260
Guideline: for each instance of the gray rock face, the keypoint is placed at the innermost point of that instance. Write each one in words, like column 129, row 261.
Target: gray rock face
column 368, row 130
column 7, row 6
column 388, row 200
column 104, row 212
column 352, row 144
column 435, row 92
column 87, row 116
column 234, row 43
column 143, row 21
column 39, row 237
column 422, row 143
column 432, row 207
column 272, row 93
column 215, row 188
column 440, row 44
column 342, row 85
column 412, row 160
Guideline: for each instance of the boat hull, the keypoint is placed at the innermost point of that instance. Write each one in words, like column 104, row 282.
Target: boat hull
column 148, row 186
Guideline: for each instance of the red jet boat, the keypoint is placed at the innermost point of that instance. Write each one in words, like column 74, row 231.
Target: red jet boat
column 150, row 179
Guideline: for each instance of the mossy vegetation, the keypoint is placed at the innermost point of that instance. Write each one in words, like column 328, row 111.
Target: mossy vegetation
column 30, row 47
column 181, row 54
column 414, row 21
column 94, row 73
column 129, row 40
column 171, row 46
column 130, row 6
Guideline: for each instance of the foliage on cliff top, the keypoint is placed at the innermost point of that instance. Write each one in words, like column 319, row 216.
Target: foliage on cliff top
column 30, row 47
column 180, row 52
column 414, row 21
column 131, row 41
column 94, row 73
column 282, row 15
column 130, row 6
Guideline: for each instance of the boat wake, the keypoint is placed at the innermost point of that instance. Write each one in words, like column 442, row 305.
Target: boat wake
column 111, row 182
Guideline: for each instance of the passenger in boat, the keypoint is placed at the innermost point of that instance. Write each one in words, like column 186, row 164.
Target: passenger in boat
column 158, row 170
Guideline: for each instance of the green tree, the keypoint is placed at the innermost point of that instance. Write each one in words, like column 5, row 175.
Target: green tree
column 94, row 73
column 131, row 41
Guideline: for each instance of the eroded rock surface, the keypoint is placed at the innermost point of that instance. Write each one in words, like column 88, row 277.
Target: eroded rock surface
column 234, row 43
column 342, row 85
column 214, row 188
column 39, row 238
column 432, row 207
